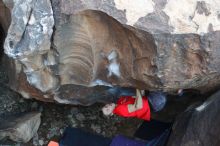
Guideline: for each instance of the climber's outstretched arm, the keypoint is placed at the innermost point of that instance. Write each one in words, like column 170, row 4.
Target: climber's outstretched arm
column 138, row 104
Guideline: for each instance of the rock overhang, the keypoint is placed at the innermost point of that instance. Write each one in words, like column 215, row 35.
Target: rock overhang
column 83, row 43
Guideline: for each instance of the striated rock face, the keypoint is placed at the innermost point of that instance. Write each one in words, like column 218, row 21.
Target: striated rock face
column 61, row 51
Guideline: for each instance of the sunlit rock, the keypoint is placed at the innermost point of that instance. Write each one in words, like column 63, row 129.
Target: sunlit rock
column 156, row 16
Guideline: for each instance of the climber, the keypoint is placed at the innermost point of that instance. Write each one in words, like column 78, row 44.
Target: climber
column 128, row 106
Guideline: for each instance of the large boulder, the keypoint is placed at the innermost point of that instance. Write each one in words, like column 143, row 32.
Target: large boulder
column 198, row 126
column 60, row 50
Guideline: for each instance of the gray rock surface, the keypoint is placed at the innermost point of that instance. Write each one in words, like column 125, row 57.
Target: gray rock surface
column 60, row 51
column 20, row 128
column 198, row 126
column 29, row 36
column 86, row 49
column 155, row 16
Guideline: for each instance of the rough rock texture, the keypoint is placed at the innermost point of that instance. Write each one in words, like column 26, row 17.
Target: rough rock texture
column 90, row 48
column 198, row 126
column 11, row 102
column 20, row 128
column 155, row 16
column 29, row 36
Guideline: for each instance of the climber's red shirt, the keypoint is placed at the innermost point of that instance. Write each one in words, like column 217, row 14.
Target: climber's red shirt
column 122, row 108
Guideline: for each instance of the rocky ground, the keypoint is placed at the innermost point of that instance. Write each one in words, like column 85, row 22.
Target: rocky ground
column 56, row 117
